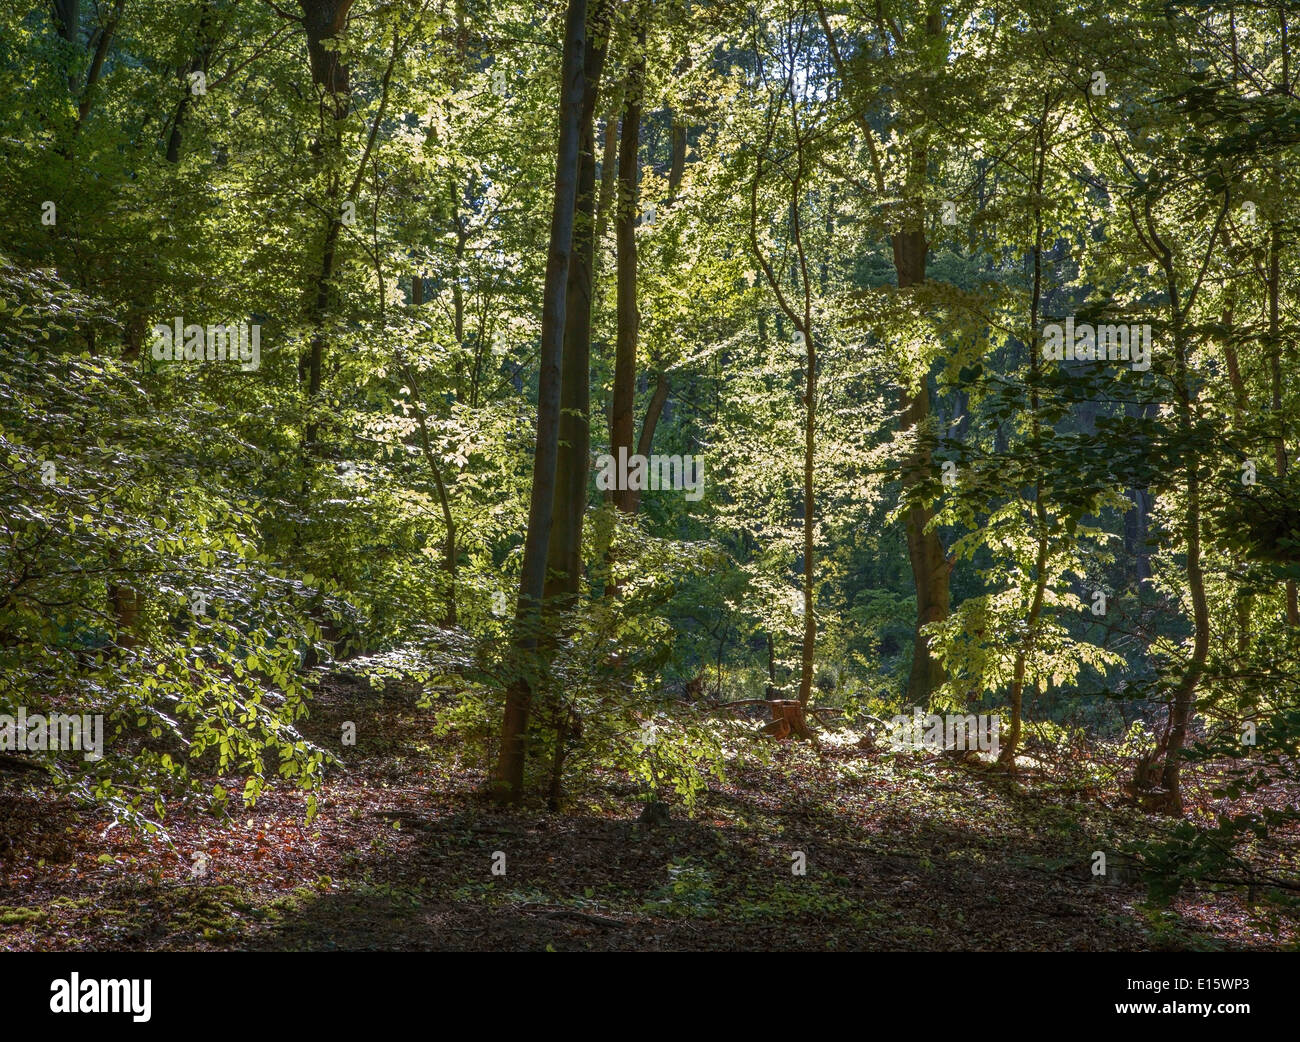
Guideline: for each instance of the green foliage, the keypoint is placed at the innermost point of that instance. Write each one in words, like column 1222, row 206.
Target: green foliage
column 185, row 544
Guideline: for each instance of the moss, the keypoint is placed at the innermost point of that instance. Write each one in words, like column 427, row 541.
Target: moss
column 17, row 915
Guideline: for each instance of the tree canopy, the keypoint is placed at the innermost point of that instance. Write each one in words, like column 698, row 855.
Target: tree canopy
column 654, row 392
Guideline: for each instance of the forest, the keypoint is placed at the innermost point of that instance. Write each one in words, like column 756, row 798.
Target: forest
column 661, row 475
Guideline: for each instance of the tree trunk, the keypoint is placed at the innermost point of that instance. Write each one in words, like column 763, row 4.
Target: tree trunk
column 1007, row 754
column 323, row 20
column 444, row 501
column 67, row 18
column 809, row 523
column 645, row 443
column 622, row 421
column 97, row 64
column 508, row 778
column 573, row 464
column 925, row 552
column 1240, row 403
column 770, row 693
column 677, row 163
column 1183, row 706
column 608, row 178
column 1184, row 703
column 199, row 63
column 1275, row 380
column 930, row 568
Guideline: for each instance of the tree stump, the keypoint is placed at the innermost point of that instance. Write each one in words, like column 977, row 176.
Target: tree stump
column 787, row 718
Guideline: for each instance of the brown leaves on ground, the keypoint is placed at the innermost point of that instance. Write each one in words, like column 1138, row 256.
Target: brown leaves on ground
column 898, row 855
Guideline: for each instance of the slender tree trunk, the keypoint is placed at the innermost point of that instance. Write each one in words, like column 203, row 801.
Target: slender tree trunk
column 930, row 566
column 677, row 162
column 801, row 318
column 1183, row 704
column 508, row 778
column 323, row 20
column 573, row 463
column 925, row 552
column 1007, row 754
column 444, row 501
column 809, row 520
column 622, row 421
column 645, row 441
column 1240, row 403
column 622, row 418
column 1184, row 701
column 608, row 178
column 1275, row 380
column 97, row 63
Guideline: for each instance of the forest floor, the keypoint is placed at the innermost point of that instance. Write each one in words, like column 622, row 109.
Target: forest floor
column 901, row 854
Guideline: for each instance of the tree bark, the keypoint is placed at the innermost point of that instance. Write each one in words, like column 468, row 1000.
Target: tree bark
column 677, row 163
column 645, row 442
column 608, row 178
column 930, row 567
column 323, row 20
column 97, row 64
column 508, row 778
column 1183, row 704
column 573, row 463
column 1007, row 754
column 199, row 63
column 622, row 420
column 925, row 552
column 801, row 318
column 67, row 18
column 1275, row 380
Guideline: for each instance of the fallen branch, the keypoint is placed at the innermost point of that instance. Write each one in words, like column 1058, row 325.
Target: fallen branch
column 713, row 706
column 17, row 763
column 572, row 913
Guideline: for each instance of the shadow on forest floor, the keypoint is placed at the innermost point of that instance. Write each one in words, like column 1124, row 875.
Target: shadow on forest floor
column 897, row 856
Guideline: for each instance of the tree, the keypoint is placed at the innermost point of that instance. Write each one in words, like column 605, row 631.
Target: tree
column 508, row 780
